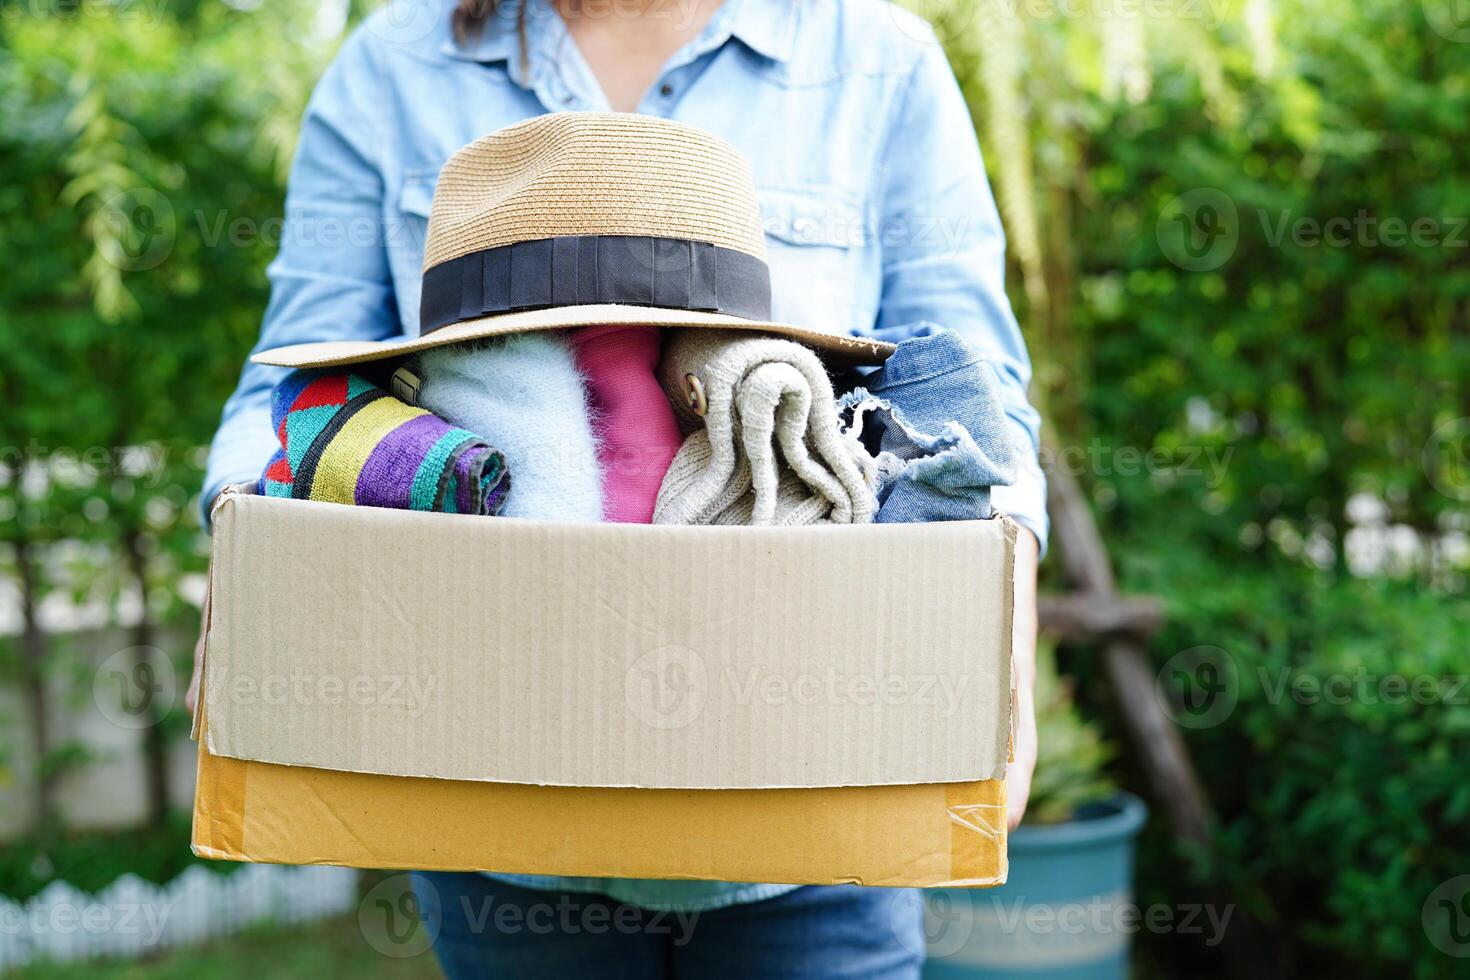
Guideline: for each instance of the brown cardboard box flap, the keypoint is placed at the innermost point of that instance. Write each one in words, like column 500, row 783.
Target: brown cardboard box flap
column 952, row 834
column 471, row 648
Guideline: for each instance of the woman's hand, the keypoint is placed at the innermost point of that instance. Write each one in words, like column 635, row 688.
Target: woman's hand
column 1023, row 659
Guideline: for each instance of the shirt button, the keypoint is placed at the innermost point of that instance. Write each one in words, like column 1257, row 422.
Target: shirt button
column 569, row 99
column 666, row 90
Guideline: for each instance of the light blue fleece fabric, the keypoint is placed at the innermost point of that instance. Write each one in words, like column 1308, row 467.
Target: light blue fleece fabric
column 523, row 395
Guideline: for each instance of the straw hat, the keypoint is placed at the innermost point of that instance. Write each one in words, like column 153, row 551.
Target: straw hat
column 579, row 218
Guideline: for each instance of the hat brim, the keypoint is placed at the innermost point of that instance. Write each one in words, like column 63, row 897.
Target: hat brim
column 335, row 353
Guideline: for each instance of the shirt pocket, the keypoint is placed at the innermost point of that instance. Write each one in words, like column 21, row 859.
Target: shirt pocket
column 408, row 225
column 817, row 244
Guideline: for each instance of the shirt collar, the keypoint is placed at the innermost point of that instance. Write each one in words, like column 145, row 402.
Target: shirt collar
column 767, row 27
column 498, row 39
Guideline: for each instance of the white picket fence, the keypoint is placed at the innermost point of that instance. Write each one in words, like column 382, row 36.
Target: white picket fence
column 132, row 917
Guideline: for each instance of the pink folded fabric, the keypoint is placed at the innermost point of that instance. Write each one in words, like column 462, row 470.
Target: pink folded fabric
column 637, row 434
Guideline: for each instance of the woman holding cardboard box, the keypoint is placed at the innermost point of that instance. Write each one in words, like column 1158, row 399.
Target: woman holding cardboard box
column 879, row 223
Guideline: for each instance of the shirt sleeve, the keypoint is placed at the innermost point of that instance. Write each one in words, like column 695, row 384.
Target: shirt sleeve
column 944, row 257
column 330, row 279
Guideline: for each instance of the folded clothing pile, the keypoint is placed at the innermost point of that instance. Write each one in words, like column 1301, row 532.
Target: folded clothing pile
column 524, row 394
column 636, row 432
column 721, row 427
column 578, row 414
column 764, row 446
column 932, row 425
column 345, row 440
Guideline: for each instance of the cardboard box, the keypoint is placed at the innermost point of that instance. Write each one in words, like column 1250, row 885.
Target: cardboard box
column 406, row 690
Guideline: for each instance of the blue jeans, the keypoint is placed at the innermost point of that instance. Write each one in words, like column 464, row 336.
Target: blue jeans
column 932, row 420
column 483, row 927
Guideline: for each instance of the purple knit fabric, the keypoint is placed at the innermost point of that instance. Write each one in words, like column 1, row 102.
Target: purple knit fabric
column 388, row 474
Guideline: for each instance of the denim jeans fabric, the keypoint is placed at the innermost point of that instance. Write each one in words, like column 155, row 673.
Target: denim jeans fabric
column 932, row 419
column 482, row 927
column 918, row 476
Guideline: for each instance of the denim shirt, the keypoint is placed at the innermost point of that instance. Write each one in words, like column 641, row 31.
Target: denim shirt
column 878, row 216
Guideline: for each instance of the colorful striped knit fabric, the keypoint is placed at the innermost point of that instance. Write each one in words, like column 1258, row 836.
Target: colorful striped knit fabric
column 344, row 440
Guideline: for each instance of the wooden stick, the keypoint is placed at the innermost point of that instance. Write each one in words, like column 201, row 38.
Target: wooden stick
column 1092, row 615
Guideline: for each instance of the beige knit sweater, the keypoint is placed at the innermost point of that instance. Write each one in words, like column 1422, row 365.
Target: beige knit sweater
column 767, row 450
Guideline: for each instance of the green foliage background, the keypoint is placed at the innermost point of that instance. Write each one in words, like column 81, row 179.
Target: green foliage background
column 1328, row 378
column 1304, row 400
